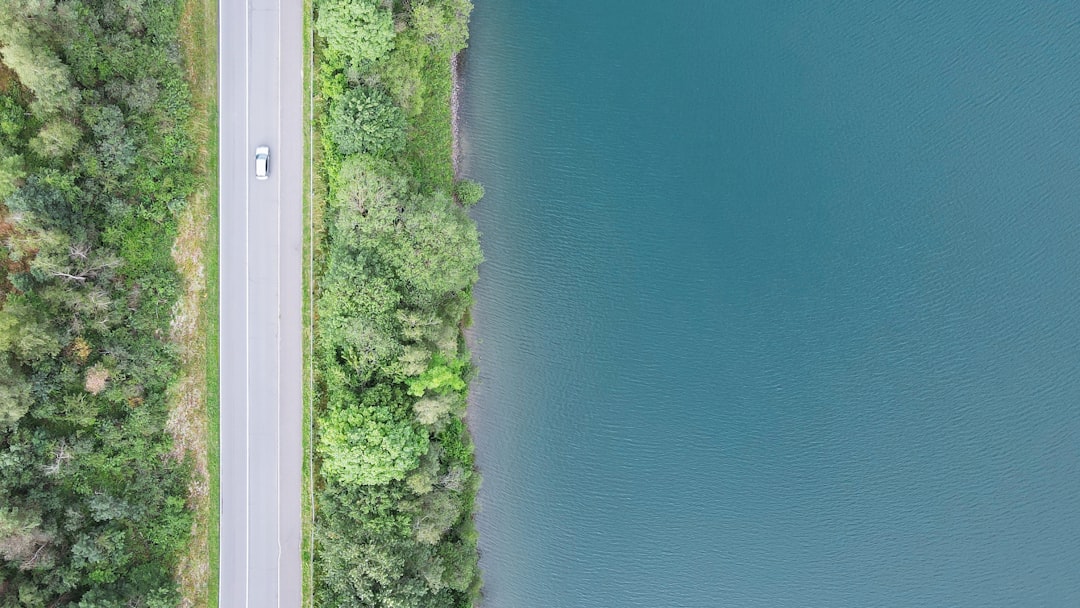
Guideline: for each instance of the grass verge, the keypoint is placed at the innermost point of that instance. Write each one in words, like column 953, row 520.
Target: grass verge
column 313, row 232
column 429, row 150
column 194, row 419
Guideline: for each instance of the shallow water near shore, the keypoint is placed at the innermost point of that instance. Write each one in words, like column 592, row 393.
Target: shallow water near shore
column 781, row 304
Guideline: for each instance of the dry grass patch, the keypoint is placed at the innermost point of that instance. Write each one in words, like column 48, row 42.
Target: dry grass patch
column 188, row 420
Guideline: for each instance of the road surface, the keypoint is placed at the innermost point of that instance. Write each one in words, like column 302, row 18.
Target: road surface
column 260, row 75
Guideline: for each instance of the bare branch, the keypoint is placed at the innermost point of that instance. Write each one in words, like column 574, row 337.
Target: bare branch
column 79, row 250
column 64, row 275
column 28, row 564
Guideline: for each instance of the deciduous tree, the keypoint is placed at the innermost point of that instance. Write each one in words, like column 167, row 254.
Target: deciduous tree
column 365, row 121
column 56, row 139
column 443, row 24
column 14, row 393
column 358, row 30
column 365, row 446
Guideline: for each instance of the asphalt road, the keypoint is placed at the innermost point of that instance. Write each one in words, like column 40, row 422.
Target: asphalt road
column 260, row 75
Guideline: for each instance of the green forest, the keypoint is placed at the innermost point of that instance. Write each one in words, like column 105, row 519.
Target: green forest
column 396, row 480
column 96, row 162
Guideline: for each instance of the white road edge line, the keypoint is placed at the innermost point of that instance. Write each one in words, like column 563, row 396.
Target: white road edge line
column 221, row 247
column 280, row 269
column 247, row 304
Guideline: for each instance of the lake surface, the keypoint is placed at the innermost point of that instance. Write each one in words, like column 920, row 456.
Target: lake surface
column 781, row 304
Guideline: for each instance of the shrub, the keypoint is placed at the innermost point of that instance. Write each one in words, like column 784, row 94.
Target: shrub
column 468, row 192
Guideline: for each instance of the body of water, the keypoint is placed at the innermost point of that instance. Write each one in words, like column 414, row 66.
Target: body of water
column 781, row 304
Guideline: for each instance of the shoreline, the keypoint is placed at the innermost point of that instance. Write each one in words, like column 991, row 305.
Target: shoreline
column 455, row 116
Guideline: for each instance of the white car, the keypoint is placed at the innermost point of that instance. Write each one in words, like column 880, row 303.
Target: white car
column 262, row 162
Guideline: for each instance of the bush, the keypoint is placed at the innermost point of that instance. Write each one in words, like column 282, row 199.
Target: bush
column 468, row 192
column 366, row 121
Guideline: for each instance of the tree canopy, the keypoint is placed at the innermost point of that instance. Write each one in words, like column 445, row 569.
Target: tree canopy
column 443, row 24
column 364, row 120
column 393, row 526
column 358, row 31
column 360, row 446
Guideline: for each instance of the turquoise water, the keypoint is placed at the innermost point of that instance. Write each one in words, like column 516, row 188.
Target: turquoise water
column 782, row 302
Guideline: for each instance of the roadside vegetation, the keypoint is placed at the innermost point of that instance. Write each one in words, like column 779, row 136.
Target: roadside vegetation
column 195, row 407
column 96, row 166
column 395, row 481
